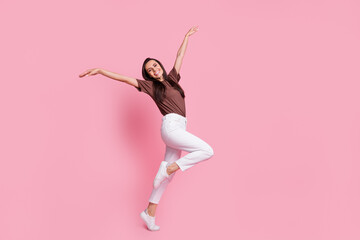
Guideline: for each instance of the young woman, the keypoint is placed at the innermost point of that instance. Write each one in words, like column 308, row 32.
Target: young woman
column 168, row 95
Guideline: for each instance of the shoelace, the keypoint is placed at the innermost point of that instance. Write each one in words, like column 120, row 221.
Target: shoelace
column 151, row 220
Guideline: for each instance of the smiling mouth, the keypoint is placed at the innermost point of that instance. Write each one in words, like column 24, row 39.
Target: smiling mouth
column 157, row 73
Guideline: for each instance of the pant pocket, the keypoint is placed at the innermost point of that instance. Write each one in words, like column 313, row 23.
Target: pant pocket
column 172, row 125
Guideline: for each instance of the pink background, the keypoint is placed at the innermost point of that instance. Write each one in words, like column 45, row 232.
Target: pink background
column 272, row 86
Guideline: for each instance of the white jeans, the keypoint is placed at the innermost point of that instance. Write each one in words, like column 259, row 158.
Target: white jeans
column 176, row 138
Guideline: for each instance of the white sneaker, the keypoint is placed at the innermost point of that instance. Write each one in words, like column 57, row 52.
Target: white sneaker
column 149, row 220
column 161, row 174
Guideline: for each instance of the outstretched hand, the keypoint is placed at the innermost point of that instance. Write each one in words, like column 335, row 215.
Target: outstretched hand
column 192, row 31
column 90, row 72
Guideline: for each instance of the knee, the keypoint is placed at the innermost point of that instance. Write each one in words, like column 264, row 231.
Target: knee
column 209, row 151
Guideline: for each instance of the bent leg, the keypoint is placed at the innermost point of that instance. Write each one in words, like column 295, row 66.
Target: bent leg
column 198, row 149
column 171, row 155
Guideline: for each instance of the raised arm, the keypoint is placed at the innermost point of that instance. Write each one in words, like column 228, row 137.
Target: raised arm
column 182, row 49
column 115, row 76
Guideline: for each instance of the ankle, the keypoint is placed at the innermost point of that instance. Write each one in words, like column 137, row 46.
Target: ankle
column 150, row 213
column 172, row 168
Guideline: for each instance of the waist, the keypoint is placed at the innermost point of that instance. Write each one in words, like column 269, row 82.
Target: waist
column 174, row 116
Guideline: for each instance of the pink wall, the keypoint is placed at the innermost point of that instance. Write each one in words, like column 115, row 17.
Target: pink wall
column 272, row 86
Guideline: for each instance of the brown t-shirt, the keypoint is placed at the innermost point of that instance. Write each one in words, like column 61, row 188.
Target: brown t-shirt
column 173, row 102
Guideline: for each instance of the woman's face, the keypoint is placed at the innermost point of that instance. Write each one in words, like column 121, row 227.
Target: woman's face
column 154, row 70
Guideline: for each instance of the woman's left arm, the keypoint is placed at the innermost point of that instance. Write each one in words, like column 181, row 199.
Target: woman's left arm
column 181, row 51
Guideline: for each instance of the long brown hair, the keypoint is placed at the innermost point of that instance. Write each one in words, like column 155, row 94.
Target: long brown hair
column 159, row 87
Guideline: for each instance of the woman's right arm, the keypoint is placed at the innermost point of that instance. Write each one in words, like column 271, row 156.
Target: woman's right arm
column 115, row 76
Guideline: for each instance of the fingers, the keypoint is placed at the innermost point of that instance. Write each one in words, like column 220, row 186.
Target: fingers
column 83, row 74
column 193, row 30
column 87, row 72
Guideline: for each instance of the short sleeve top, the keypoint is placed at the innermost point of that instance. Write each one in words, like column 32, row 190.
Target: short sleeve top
column 173, row 102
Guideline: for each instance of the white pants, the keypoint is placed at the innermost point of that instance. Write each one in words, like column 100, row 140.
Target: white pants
column 176, row 138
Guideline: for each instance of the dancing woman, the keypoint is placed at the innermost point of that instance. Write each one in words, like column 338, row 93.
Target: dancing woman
column 168, row 95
